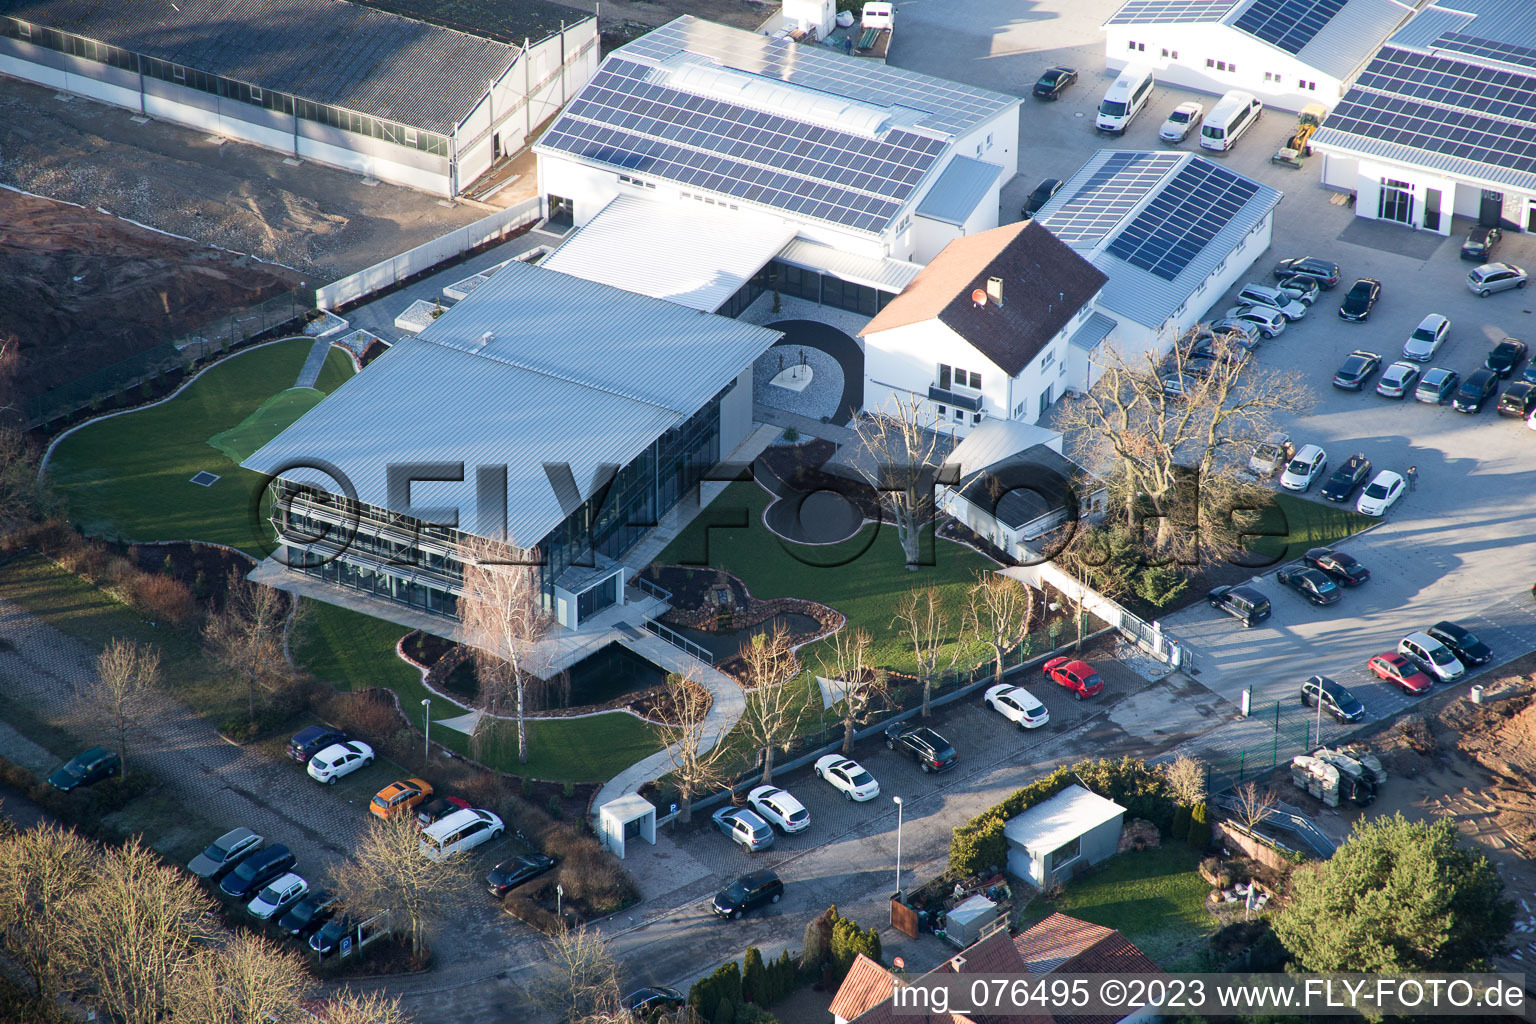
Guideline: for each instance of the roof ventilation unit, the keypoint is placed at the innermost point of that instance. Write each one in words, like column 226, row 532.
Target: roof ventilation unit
column 485, row 339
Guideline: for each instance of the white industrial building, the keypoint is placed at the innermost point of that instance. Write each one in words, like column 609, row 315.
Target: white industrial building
column 331, row 81
column 1287, row 52
column 1442, row 121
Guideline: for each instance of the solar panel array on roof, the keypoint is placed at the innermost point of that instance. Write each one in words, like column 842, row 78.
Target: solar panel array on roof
column 1109, row 194
column 1136, row 12
column 1507, row 53
column 1182, row 218
column 1288, row 24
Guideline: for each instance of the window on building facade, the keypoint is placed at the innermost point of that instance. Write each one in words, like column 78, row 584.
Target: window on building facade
column 1309, row 86
column 975, row 418
column 1064, row 854
column 1210, row 62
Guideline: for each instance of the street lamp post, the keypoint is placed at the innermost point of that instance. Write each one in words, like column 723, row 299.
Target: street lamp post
column 897, row 801
column 426, row 731
column 559, row 899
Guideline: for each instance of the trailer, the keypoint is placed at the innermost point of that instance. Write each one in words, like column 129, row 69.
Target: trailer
column 877, row 25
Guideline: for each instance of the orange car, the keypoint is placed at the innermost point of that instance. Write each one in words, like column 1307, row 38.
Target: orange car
column 399, row 796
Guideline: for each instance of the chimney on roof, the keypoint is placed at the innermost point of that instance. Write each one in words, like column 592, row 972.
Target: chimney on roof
column 956, row 962
column 486, row 339
column 995, row 290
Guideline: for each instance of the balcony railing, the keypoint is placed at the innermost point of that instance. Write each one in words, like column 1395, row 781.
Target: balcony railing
column 679, row 641
column 970, row 403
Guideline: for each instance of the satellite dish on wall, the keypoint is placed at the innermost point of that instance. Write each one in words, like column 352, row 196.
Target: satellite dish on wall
column 979, row 296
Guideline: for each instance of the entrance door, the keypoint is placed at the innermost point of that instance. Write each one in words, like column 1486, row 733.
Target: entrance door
column 496, row 146
column 1492, row 209
column 561, row 212
column 1530, row 215
column 1432, row 209
column 1396, row 202
column 1045, row 400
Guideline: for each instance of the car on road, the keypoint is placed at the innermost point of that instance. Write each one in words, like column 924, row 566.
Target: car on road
column 1255, row 294
column 86, row 768
column 510, row 874
column 1400, row 672
column 1506, row 357
column 1469, row 650
column 932, row 752
column 339, row 760
column 1432, row 656
column 1519, row 399
column 1398, row 380
column 747, row 893
column 255, row 871
column 1076, row 675
column 460, row 832
column 1341, row 485
column 1360, row 300
column 1304, row 468
column 1017, row 705
column 1181, row 121
column 653, row 999
column 327, row 940
column 1313, row 584
column 1356, row 368
column 1325, row 273
column 437, row 808
column 309, row 741
column 1480, row 385
column 743, row 826
column 1040, row 196
column 779, row 807
column 277, row 896
column 1345, row 569
column 1269, row 321
column 1381, row 494
column 399, row 796
column 1268, row 454
column 1480, row 242
column 1337, row 700
column 1051, row 84
column 1427, row 338
column 309, row 915
column 847, row 776
column 221, row 855
column 1437, row 385
column 1495, row 277
column 1247, row 605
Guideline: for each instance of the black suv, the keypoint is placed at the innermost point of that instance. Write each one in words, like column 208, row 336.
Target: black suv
column 257, row 870
column 85, row 768
column 930, row 750
column 748, row 893
column 1354, row 473
column 1336, row 699
column 310, row 914
column 1519, row 399
column 1242, row 603
column 1469, row 650
column 309, row 741
column 1324, row 272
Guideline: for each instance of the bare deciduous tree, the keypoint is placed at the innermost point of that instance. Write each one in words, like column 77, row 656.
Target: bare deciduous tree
column 365, row 1008
column 998, row 612
column 388, row 874
column 21, row 496
column 696, row 757
column 44, row 872
column 1186, row 780
column 503, row 618
column 774, row 709
column 900, row 455
column 581, row 983
column 924, row 624
column 856, row 683
column 245, row 637
column 1254, row 805
column 244, row 979
column 127, row 677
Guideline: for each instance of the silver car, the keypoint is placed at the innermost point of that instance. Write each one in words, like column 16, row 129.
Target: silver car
column 1181, row 122
column 1427, row 338
column 1269, row 320
column 1264, row 295
column 1495, row 277
column 1398, row 380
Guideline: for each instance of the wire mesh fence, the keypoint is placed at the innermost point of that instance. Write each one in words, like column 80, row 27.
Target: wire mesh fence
column 1279, row 731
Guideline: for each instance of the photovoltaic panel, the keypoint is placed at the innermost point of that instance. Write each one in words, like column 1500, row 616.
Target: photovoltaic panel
column 1458, row 83
column 1136, row 12
column 1182, row 218
column 1108, row 196
column 1506, row 53
column 1443, row 130
column 1288, row 24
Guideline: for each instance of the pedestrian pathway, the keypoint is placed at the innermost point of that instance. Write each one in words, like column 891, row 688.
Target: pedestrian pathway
column 314, row 364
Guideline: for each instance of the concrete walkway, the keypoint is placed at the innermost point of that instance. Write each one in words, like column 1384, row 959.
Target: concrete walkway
column 805, row 425
column 314, row 364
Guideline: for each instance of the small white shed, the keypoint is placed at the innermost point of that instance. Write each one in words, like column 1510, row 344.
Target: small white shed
column 625, row 818
column 1052, row 839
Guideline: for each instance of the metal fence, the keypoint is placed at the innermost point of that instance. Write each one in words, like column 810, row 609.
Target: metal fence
column 679, row 641
column 1291, row 730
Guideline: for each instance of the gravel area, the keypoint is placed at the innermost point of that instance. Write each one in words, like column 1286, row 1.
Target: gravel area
column 819, row 397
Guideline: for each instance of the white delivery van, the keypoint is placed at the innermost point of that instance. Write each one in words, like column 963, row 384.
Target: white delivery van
column 1232, row 115
column 1126, row 97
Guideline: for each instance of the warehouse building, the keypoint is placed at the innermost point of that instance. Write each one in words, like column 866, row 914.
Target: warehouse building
column 331, row 81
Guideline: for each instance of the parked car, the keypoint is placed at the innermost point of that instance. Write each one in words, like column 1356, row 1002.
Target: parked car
column 1480, row 243
column 257, row 870
column 1437, row 385
column 1519, row 399
column 1381, row 494
column 1181, row 121
column 1323, row 272
column 510, row 874
column 1360, row 300
column 1054, row 81
column 1529, row 375
column 224, row 853
column 309, row 741
column 747, row 893
column 339, row 760
column 1269, row 321
column 85, row 768
column 1495, row 277
column 1354, row 472
column 309, row 915
column 1247, row 605
column 1304, row 468
column 1480, row 385
column 1506, row 357
column 438, row 808
column 399, row 796
column 1400, row 672
column 1017, row 705
column 1269, row 454
column 1304, row 289
column 1356, row 369
column 847, row 776
column 1345, row 569
column 277, row 896
column 1076, row 675
column 1179, row 385
column 1255, row 294
column 743, row 826
column 779, row 807
column 654, row 999
column 1469, row 650
column 460, row 832
column 1313, row 584
column 327, row 940
column 1040, row 196
column 1427, row 338
column 1239, row 332
column 1398, row 380
column 1337, row 700
column 932, row 752
column 1432, row 656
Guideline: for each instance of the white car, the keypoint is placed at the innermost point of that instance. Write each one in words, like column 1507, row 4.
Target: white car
column 1269, row 320
column 458, row 832
column 1381, row 494
column 339, row 759
column 278, row 896
column 1263, row 295
column 849, row 776
column 1181, row 122
column 1304, row 468
column 1432, row 656
column 1305, row 289
column 1427, row 338
column 1017, row 705
column 777, row 807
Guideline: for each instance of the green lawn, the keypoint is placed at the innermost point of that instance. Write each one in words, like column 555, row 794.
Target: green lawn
column 130, row 476
column 338, row 369
column 1292, row 525
column 271, row 418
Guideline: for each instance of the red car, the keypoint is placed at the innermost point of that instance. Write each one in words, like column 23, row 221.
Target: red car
column 1399, row 671
column 1077, row 676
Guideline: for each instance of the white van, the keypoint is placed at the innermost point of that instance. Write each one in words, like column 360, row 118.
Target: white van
column 1126, row 97
column 460, row 831
column 1232, row 115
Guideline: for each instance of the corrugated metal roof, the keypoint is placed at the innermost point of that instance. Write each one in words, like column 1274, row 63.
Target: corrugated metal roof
column 1351, row 36
column 964, row 183
column 1062, row 818
column 996, row 438
column 575, row 373
column 328, row 51
column 712, row 251
column 511, row 21
column 1331, row 140
column 887, row 275
column 1156, row 12
column 1094, row 330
